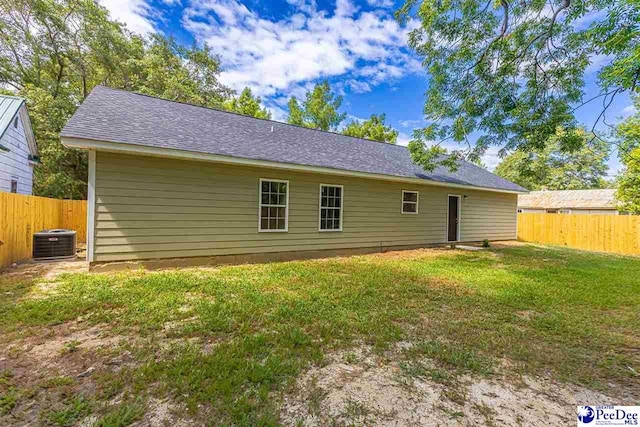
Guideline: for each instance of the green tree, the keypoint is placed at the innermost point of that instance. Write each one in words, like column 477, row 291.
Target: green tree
column 319, row 110
column 628, row 193
column 170, row 71
column 555, row 168
column 512, row 73
column 247, row 105
column 296, row 114
column 53, row 52
column 374, row 128
column 628, row 132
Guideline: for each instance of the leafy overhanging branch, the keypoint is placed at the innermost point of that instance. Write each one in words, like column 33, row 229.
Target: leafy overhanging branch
column 512, row 75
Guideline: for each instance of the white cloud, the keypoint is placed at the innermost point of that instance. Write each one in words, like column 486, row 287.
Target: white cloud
column 136, row 14
column 358, row 86
column 380, row 3
column 351, row 117
column 306, row 6
column 345, row 8
column 629, row 110
column 279, row 57
column 411, row 124
column 587, row 19
column 404, row 139
column 596, row 62
column 491, row 157
column 277, row 113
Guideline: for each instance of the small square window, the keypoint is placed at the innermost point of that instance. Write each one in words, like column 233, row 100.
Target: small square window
column 14, row 186
column 409, row 202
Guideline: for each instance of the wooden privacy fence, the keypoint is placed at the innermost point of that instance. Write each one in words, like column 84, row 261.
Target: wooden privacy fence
column 21, row 216
column 604, row 233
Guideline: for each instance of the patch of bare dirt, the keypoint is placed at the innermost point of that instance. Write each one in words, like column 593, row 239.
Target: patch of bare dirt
column 356, row 389
column 163, row 413
column 45, row 368
column 50, row 349
column 414, row 253
column 46, row 270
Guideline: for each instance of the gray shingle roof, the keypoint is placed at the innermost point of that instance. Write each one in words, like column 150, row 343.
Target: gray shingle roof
column 130, row 118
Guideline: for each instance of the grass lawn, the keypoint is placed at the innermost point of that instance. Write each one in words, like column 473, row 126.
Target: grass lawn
column 227, row 343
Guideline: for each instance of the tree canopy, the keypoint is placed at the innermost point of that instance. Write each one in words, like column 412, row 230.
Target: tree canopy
column 512, row 74
column 319, row 109
column 54, row 52
column 556, row 168
column 628, row 132
column 373, row 128
column 248, row 105
column 628, row 193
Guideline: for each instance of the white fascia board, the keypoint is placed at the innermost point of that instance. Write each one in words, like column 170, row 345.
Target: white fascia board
column 28, row 129
column 144, row 150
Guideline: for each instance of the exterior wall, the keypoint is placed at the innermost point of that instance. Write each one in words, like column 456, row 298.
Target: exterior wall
column 151, row 208
column 573, row 211
column 15, row 163
column 594, row 211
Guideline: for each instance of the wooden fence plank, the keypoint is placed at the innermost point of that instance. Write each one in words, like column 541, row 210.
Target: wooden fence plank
column 603, row 233
column 21, row 216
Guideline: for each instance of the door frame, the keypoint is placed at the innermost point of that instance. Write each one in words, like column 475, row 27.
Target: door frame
column 459, row 197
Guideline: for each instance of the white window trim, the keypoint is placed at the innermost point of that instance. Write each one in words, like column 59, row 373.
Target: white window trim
column 320, row 207
column 402, row 202
column 286, row 209
column 459, row 236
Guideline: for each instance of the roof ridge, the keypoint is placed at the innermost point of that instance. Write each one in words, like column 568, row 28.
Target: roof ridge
column 250, row 117
column 573, row 189
column 117, row 115
column 19, row 98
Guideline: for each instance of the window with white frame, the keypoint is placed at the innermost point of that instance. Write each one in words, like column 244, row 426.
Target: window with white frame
column 331, row 207
column 274, row 205
column 409, row 202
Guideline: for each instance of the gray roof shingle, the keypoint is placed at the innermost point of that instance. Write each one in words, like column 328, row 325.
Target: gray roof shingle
column 129, row 118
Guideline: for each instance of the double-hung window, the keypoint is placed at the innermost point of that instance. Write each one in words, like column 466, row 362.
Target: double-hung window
column 409, row 202
column 274, row 205
column 331, row 207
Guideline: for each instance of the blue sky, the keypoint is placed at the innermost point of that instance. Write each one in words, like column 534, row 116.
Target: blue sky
column 281, row 48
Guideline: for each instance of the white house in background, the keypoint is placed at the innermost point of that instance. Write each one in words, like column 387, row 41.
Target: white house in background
column 600, row 202
column 18, row 149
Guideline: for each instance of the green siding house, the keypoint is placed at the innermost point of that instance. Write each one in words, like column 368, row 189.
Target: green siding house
column 172, row 181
